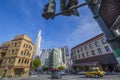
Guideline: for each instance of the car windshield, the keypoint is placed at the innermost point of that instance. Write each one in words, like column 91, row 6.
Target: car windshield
column 91, row 70
column 56, row 72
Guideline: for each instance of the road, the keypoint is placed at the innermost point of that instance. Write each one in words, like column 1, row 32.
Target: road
column 72, row 77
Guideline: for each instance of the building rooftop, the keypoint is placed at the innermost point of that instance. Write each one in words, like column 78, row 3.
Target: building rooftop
column 88, row 40
column 22, row 36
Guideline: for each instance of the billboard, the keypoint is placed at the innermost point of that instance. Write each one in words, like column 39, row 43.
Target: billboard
column 109, row 11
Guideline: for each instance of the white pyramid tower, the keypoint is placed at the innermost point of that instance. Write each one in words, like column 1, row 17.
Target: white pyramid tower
column 37, row 45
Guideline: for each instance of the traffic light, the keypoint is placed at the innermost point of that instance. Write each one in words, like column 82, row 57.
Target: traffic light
column 49, row 11
column 45, row 14
column 67, row 7
column 51, row 8
column 63, row 5
column 71, row 4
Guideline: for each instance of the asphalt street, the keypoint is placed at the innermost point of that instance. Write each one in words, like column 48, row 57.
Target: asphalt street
column 70, row 77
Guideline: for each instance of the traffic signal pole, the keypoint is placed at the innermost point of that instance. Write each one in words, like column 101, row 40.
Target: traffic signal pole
column 111, row 38
column 75, row 7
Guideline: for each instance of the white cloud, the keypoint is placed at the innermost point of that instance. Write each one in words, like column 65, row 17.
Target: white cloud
column 85, row 30
column 46, row 44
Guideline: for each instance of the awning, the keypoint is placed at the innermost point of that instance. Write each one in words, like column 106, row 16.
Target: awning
column 86, row 64
column 108, row 58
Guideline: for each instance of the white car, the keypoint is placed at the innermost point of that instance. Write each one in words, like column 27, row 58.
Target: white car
column 62, row 72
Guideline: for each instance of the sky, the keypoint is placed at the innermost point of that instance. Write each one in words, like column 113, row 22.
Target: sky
column 24, row 17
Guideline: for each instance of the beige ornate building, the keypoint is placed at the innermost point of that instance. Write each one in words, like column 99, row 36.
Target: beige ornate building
column 16, row 56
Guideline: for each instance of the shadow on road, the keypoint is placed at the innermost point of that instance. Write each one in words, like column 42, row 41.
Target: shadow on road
column 50, row 78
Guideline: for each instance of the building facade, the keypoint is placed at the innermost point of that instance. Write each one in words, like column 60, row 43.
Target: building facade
column 65, row 57
column 55, row 57
column 94, row 52
column 44, row 57
column 16, row 56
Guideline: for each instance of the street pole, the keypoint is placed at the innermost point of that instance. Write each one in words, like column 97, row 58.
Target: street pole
column 111, row 38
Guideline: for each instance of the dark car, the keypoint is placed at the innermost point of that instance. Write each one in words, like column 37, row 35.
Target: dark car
column 56, row 74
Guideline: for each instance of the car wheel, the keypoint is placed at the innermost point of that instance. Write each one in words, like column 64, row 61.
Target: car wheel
column 97, row 76
column 87, row 76
column 101, row 75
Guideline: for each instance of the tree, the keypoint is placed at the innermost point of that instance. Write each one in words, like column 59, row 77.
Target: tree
column 61, row 67
column 36, row 63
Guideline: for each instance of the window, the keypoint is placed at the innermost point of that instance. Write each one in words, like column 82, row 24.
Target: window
column 96, row 44
column 93, row 53
column 29, row 46
column 87, row 54
column 12, row 51
column 85, row 47
column 99, row 50
column 28, row 62
column 25, row 53
column 25, row 61
column 22, row 60
column 15, row 44
column 12, row 43
column 78, row 51
column 21, row 52
column 79, row 56
column 73, row 57
column 81, row 49
column 83, row 55
column 9, row 60
column 29, row 54
column 16, row 50
column 19, row 60
column 24, row 45
column 104, row 40
column 76, row 56
column 90, row 45
column 107, row 48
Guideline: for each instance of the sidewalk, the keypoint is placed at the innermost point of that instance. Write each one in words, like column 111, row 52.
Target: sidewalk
column 112, row 73
column 19, row 78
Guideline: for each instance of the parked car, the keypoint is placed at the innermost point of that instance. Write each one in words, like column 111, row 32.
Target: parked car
column 56, row 74
column 63, row 72
column 35, row 73
column 95, row 72
column 81, row 72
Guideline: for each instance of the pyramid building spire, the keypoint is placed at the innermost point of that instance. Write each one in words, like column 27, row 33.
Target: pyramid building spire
column 37, row 45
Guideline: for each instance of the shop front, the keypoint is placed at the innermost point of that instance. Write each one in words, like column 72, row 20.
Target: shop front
column 107, row 62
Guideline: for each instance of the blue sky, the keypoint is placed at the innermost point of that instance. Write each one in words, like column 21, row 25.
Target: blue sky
column 24, row 17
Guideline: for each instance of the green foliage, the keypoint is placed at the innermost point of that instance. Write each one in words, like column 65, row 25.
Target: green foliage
column 61, row 67
column 36, row 63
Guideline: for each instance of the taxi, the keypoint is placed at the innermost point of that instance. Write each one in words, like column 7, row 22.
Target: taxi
column 95, row 72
